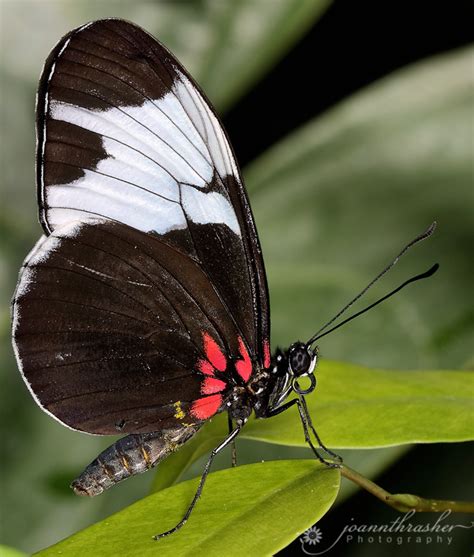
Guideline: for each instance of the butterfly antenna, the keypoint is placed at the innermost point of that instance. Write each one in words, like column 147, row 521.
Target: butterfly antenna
column 424, row 275
column 423, row 236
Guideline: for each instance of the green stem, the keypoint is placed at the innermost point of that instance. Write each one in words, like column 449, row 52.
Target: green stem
column 405, row 502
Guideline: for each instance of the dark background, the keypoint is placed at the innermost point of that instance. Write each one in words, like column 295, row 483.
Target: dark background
column 352, row 45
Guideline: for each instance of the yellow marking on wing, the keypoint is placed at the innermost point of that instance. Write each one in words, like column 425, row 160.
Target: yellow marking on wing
column 179, row 414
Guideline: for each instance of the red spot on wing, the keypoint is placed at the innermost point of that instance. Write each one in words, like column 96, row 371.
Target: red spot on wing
column 204, row 408
column 266, row 354
column 211, row 385
column 213, row 353
column 244, row 366
column 205, row 367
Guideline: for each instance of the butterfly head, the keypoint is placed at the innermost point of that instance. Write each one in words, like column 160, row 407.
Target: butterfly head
column 302, row 360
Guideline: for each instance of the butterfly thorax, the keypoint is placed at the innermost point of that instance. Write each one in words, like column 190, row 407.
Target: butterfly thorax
column 259, row 395
column 266, row 389
column 271, row 387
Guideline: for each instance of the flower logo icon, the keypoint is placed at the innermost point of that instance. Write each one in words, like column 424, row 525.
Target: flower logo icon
column 312, row 536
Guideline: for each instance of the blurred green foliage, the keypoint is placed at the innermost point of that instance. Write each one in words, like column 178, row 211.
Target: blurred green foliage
column 333, row 202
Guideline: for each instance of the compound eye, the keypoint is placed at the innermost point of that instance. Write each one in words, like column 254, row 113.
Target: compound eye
column 301, row 359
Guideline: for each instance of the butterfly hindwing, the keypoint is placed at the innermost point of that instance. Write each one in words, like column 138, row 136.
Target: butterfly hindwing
column 108, row 334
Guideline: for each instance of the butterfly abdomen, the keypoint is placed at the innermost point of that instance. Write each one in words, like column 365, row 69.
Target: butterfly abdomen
column 130, row 455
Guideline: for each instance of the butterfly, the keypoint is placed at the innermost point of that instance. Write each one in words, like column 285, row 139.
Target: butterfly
column 144, row 308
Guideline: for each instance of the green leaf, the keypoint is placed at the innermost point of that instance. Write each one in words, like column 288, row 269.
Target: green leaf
column 336, row 200
column 357, row 407
column 248, row 510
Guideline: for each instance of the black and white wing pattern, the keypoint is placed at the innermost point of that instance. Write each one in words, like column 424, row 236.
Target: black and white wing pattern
column 150, row 283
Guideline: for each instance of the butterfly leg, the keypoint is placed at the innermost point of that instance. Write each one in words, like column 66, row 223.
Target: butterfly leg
column 315, row 433
column 232, row 445
column 305, row 420
column 229, row 439
column 307, row 425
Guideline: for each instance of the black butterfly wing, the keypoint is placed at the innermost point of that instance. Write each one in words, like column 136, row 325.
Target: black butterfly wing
column 112, row 329
column 124, row 133
column 151, row 279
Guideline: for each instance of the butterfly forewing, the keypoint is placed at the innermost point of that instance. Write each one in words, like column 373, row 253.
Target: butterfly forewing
column 151, row 275
column 124, row 133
